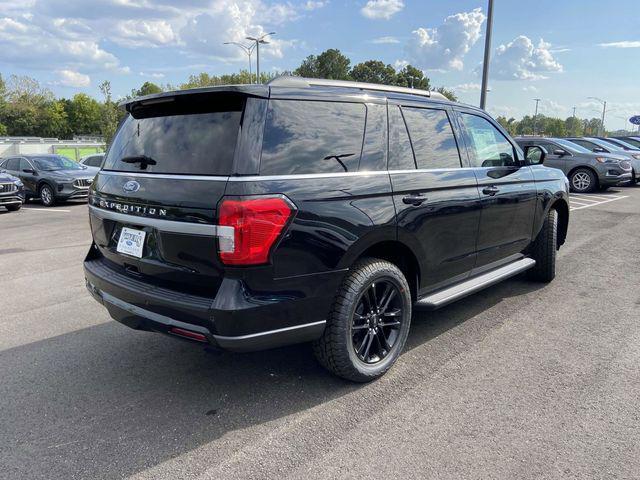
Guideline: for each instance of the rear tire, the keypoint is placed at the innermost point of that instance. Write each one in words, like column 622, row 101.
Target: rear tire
column 14, row 208
column 47, row 196
column 544, row 250
column 356, row 344
column 583, row 180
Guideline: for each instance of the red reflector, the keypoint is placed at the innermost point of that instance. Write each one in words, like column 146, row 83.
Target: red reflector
column 188, row 334
column 257, row 223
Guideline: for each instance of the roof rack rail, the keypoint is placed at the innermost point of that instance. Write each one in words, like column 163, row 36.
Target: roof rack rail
column 301, row 82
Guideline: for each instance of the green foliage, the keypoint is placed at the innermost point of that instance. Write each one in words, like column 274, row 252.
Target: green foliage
column 147, row 88
column 412, row 77
column 84, row 114
column 206, row 80
column 447, row 93
column 374, row 71
column 111, row 114
column 330, row 64
column 550, row 126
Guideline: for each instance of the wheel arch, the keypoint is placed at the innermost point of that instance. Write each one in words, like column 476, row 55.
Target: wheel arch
column 562, row 208
column 400, row 255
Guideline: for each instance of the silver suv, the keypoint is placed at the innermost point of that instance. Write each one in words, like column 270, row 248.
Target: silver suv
column 587, row 171
column 600, row 146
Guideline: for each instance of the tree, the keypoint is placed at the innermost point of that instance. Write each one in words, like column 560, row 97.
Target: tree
column 147, row 88
column 330, row 64
column 412, row 77
column 55, row 121
column 447, row 93
column 374, row 71
column 111, row 114
column 574, row 127
column 84, row 114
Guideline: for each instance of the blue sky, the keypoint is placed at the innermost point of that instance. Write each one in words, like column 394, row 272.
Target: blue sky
column 560, row 51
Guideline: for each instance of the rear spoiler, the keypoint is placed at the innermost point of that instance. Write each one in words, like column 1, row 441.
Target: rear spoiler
column 167, row 97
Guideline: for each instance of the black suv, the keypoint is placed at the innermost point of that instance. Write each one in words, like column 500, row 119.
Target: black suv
column 249, row 217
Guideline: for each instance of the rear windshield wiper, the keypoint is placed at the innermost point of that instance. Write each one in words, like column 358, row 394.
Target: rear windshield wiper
column 143, row 160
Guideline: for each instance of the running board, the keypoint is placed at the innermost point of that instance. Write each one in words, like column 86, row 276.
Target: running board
column 443, row 297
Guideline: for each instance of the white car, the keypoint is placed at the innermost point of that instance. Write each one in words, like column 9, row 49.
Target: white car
column 93, row 162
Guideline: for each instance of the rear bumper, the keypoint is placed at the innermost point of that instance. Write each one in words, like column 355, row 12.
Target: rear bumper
column 234, row 320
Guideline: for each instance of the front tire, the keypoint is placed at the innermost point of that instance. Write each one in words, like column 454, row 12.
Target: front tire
column 544, row 250
column 47, row 196
column 583, row 180
column 368, row 324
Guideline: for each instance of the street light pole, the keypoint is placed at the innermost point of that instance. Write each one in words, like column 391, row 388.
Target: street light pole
column 258, row 41
column 535, row 116
column 487, row 55
column 248, row 50
column 604, row 110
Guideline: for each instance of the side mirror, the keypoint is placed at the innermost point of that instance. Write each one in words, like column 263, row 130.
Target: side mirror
column 559, row 152
column 535, row 154
column 29, row 170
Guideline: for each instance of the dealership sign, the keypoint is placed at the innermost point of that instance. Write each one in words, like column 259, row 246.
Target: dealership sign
column 635, row 119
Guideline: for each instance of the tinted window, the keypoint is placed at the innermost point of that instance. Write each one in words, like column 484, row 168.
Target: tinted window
column 432, row 138
column 312, row 137
column 375, row 139
column 12, row 164
column 198, row 143
column 487, row 146
column 400, row 152
column 55, row 162
column 588, row 145
column 24, row 164
column 94, row 161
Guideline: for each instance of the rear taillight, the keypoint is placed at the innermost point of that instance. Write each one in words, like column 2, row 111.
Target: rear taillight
column 257, row 223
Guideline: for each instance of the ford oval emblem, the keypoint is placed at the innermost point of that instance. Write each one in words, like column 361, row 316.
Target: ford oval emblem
column 131, row 186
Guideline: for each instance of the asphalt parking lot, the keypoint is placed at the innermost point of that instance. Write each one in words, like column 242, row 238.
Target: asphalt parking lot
column 519, row 381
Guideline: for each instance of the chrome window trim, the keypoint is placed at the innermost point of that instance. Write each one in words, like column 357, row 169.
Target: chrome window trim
column 164, row 175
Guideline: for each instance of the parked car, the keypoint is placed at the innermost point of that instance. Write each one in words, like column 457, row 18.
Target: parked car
column 600, row 146
column 586, row 171
column 50, row 177
column 325, row 218
column 635, row 141
column 93, row 161
column 11, row 192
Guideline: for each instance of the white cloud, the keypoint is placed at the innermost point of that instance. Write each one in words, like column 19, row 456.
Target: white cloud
column 445, row 46
column 623, row 44
column 152, row 74
column 315, row 4
column 69, row 78
column 520, row 59
column 529, row 88
column 382, row 9
column 467, row 87
column 143, row 33
column 385, row 40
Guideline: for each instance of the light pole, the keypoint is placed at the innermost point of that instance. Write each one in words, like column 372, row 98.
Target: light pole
column 248, row 50
column 535, row 115
column 258, row 41
column 604, row 109
column 487, row 55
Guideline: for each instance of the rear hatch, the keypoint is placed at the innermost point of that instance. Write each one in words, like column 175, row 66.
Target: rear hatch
column 168, row 163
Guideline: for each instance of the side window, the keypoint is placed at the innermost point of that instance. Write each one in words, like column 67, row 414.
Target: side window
column 94, row 161
column 312, row 137
column 487, row 146
column 432, row 138
column 375, row 139
column 24, row 165
column 588, row 145
column 13, row 164
column 400, row 152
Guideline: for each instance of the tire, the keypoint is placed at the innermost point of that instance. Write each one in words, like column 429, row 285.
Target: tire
column 14, row 208
column 47, row 196
column 633, row 180
column 583, row 180
column 604, row 188
column 343, row 349
column 544, row 250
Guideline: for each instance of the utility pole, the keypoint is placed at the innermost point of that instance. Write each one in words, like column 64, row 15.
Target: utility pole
column 246, row 49
column 259, row 40
column 604, row 110
column 487, row 56
column 574, row 112
column 535, row 115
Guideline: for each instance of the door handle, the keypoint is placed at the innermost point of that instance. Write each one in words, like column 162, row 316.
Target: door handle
column 415, row 199
column 492, row 190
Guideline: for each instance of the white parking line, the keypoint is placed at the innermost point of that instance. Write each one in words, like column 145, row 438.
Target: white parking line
column 52, row 210
column 580, row 206
column 582, row 196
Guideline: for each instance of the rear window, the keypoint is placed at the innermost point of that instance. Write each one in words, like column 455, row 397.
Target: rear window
column 312, row 137
column 178, row 138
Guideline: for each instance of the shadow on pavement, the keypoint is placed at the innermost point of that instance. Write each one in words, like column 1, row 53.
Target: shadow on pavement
column 107, row 401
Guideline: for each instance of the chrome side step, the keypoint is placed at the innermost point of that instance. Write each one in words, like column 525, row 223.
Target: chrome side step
column 443, row 297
